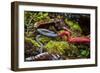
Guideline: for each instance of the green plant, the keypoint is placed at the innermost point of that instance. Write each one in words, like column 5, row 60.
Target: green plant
column 84, row 51
column 72, row 52
column 44, row 39
column 32, row 41
column 30, row 18
column 73, row 25
column 56, row 47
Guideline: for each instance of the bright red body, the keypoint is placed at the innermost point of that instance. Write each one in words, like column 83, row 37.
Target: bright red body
column 75, row 39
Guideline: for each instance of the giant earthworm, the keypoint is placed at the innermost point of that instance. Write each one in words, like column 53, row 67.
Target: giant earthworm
column 75, row 39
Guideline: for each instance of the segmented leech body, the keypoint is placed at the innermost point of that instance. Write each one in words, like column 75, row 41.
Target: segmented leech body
column 47, row 33
column 41, row 45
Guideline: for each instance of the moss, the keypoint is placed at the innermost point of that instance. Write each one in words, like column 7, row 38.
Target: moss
column 76, row 27
column 73, row 25
column 32, row 41
column 69, row 23
column 72, row 52
column 56, row 47
column 44, row 39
